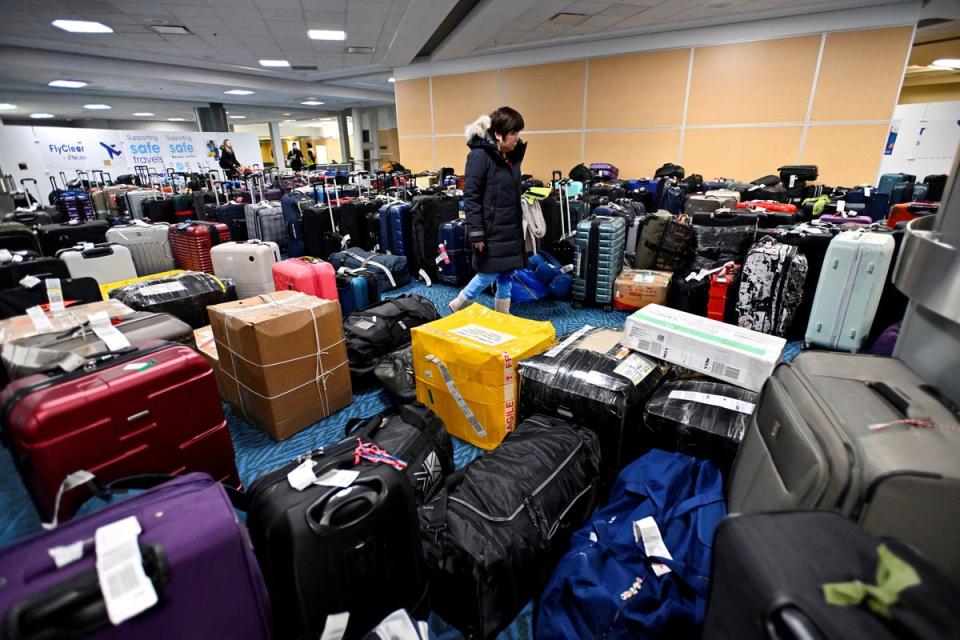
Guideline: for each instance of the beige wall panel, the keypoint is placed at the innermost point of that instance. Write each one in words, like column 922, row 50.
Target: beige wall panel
column 786, row 66
column 550, row 96
column 930, row 93
column 549, row 151
column 618, row 99
column 860, row 74
column 636, row 153
column 459, row 99
column 416, row 154
column 740, row 153
column 388, row 143
column 452, row 152
column 413, row 106
column 845, row 154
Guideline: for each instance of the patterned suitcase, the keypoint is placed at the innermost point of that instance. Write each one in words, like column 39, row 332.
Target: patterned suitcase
column 771, row 287
column 309, row 275
column 149, row 245
column 848, row 292
column 454, row 266
column 53, row 237
column 104, row 262
column 131, row 421
column 248, row 263
column 599, row 259
column 192, row 241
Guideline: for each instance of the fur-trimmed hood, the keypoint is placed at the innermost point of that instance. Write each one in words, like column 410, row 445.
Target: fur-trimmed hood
column 479, row 136
column 478, row 128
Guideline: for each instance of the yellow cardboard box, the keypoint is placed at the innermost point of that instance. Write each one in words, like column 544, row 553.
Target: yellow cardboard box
column 466, row 369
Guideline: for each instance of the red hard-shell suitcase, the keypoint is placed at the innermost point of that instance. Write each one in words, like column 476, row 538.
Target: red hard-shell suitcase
column 312, row 276
column 908, row 211
column 191, row 243
column 768, row 205
column 149, row 409
column 724, row 287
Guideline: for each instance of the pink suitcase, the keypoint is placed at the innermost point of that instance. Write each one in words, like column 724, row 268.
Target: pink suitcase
column 847, row 219
column 308, row 275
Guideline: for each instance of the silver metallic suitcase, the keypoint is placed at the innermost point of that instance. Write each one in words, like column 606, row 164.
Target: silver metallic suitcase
column 862, row 435
column 149, row 245
column 249, row 264
column 104, row 262
column 135, row 200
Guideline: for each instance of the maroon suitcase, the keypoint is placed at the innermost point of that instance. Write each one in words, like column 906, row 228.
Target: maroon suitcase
column 192, row 241
column 149, row 409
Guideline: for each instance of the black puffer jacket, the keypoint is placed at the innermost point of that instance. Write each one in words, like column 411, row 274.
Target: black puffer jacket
column 491, row 200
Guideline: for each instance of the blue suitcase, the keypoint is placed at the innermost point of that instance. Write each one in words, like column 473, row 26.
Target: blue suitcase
column 889, row 180
column 357, row 290
column 877, row 206
column 454, row 266
column 396, row 229
column 600, row 242
column 292, row 205
column 235, row 217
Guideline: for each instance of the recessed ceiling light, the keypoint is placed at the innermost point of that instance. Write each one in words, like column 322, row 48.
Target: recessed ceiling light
column 97, row 107
column 143, row 114
column 274, row 63
column 67, row 84
column 176, row 119
column 312, row 103
column 361, row 49
column 323, row 34
column 81, row 26
column 6, row 106
column 290, row 120
column 391, row 79
column 238, row 117
column 171, row 29
column 946, row 63
column 239, row 92
column 42, row 116
column 286, row 114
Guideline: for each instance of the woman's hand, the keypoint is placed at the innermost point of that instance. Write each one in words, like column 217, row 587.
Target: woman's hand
column 478, row 246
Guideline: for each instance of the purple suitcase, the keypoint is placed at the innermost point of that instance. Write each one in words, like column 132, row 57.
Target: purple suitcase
column 844, row 219
column 604, row 171
column 195, row 551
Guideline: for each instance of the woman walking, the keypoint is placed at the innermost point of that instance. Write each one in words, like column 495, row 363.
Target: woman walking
column 491, row 200
column 228, row 160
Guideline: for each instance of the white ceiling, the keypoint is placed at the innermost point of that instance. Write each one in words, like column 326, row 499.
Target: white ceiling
column 136, row 69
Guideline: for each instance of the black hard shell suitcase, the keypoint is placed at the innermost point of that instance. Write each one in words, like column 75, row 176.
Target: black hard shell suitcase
column 54, row 237
column 600, row 245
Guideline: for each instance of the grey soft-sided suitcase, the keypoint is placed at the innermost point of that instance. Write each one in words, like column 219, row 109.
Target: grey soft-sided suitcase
column 862, row 435
column 149, row 245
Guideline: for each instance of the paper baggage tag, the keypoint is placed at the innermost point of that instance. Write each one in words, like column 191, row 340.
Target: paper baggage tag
column 39, row 319
column 337, row 478
column 793, row 180
column 646, row 530
column 30, row 282
column 840, row 206
column 111, row 336
column 442, row 256
column 54, row 294
column 715, row 400
column 87, row 245
column 335, row 626
column 635, row 367
column 345, row 241
column 303, row 476
column 125, row 587
column 5, row 256
column 72, row 362
column 66, row 554
column 866, row 192
column 566, row 268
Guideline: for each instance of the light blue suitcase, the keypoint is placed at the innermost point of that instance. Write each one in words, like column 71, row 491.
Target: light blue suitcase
column 849, row 289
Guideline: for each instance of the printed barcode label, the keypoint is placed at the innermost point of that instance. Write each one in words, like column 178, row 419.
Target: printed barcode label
column 647, row 531
column 125, row 587
column 714, row 399
column 722, row 370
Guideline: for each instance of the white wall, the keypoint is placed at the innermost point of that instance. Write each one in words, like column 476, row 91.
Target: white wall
column 927, row 136
column 387, row 117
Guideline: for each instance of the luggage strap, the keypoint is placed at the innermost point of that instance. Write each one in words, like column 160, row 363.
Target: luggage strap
column 457, row 396
column 369, row 260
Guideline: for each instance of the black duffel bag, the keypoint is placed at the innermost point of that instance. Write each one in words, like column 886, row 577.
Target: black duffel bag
column 395, row 373
column 416, row 435
column 374, row 332
column 493, row 535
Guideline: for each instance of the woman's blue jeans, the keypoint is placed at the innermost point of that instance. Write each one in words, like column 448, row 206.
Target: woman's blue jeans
column 483, row 280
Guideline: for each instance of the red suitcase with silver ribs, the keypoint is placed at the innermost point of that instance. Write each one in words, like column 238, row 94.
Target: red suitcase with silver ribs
column 152, row 408
column 191, row 243
column 724, row 287
column 768, row 205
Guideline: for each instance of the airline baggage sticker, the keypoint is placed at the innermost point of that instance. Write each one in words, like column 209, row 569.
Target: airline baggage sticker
column 483, row 335
column 635, row 367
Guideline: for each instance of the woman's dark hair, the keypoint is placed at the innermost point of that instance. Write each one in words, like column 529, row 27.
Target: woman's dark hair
column 506, row 120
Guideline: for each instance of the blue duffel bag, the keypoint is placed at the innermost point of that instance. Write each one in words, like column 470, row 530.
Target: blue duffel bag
column 607, row 586
column 526, row 287
column 548, row 270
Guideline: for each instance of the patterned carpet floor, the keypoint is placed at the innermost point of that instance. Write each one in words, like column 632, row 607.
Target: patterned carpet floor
column 257, row 453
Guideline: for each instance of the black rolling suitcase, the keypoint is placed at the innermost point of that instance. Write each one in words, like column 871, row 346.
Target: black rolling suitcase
column 427, row 214
column 16, row 301
column 54, row 237
column 320, row 224
column 15, row 236
column 326, row 549
column 771, row 571
column 360, row 223
column 11, row 273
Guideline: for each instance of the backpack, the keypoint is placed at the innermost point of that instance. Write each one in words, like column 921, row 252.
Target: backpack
column 771, row 286
column 580, row 173
column 663, row 242
column 614, row 579
column 375, row 331
column 670, row 170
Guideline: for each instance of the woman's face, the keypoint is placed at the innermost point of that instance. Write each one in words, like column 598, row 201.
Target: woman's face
column 509, row 141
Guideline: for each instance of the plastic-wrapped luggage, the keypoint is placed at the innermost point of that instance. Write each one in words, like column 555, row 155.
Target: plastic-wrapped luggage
column 395, row 372
column 390, row 269
column 590, row 380
column 249, row 264
column 724, row 234
column 186, row 295
column 194, row 551
column 491, row 538
column 149, row 246
column 700, row 418
column 600, row 243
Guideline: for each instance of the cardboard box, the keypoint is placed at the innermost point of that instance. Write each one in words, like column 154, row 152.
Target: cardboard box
column 24, row 326
column 733, row 354
column 636, row 288
column 283, row 359
column 207, row 346
column 480, row 349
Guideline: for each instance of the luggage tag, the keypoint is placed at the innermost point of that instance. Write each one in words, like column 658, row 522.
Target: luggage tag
column 793, row 180
column 5, row 256
column 54, row 294
column 104, row 329
column 866, row 192
column 646, row 530
column 345, row 242
column 30, row 282
column 127, row 591
column 841, row 204
column 442, row 256
column 302, row 476
column 336, row 626
column 39, row 319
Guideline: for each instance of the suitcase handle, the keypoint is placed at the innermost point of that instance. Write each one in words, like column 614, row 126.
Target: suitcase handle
column 322, row 514
column 889, row 394
column 75, row 607
column 788, row 622
column 98, row 252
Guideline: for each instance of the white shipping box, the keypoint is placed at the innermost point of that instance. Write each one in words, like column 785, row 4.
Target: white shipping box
column 729, row 353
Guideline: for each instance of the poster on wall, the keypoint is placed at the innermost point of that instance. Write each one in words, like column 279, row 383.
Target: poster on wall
column 924, row 141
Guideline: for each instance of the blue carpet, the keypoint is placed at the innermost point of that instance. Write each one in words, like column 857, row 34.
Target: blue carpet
column 257, row 453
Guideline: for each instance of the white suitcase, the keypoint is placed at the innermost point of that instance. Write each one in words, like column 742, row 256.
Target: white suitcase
column 848, row 291
column 149, row 245
column 104, row 262
column 725, row 194
column 249, row 264
column 135, row 200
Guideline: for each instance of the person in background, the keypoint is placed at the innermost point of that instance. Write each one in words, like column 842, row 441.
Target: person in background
column 491, row 201
column 228, row 160
column 311, row 157
column 295, row 157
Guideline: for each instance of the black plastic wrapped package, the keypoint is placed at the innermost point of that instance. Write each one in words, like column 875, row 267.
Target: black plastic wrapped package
column 591, row 380
column 701, row 418
column 185, row 295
